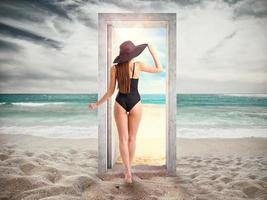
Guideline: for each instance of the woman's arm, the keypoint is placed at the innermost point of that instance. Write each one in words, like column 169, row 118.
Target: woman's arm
column 110, row 91
column 157, row 68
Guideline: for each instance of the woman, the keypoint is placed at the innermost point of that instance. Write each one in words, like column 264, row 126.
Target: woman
column 127, row 107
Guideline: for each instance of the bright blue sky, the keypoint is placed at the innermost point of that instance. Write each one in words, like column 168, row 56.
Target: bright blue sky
column 149, row 82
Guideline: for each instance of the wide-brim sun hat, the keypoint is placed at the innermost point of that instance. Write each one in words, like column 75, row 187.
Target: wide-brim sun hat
column 128, row 51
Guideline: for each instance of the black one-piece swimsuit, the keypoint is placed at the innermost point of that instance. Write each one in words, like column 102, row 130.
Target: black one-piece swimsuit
column 128, row 100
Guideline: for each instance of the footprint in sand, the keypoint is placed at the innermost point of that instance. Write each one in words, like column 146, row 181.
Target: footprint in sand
column 10, row 151
column 214, row 168
column 191, row 159
column 239, row 163
column 27, row 167
column 194, row 175
column 28, row 153
column 247, row 164
column 207, row 161
column 10, row 170
column 225, row 179
column 219, row 187
column 215, row 176
column 250, row 191
column 72, row 151
column 233, row 174
column 252, row 176
column 52, row 174
column 117, row 190
column 235, row 169
column 3, row 157
column 44, row 156
column 11, row 146
column 264, row 179
column 228, row 162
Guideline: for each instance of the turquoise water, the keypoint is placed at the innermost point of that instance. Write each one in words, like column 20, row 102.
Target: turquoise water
column 198, row 115
column 221, row 115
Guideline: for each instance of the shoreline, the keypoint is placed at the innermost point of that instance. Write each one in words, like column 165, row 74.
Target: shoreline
column 182, row 143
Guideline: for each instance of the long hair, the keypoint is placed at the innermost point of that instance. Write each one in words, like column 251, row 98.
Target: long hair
column 122, row 74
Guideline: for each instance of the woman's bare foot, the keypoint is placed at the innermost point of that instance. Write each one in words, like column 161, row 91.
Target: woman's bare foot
column 128, row 177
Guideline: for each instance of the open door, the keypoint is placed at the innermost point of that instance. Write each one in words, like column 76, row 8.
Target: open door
column 110, row 24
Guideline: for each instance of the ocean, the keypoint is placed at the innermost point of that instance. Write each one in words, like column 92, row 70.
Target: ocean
column 198, row 115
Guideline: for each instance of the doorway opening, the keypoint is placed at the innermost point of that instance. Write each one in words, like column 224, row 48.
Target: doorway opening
column 156, row 137
column 150, row 139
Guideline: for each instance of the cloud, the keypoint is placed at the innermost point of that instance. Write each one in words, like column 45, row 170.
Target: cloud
column 217, row 50
column 9, row 46
column 53, row 52
column 52, row 46
column 27, row 35
column 250, row 8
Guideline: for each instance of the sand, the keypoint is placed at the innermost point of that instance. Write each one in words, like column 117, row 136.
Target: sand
column 40, row 168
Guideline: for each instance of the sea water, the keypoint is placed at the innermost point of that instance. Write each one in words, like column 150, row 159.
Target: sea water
column 198, row 115
column 221, row 115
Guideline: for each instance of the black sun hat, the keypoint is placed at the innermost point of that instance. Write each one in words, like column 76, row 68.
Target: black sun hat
column 128, row 51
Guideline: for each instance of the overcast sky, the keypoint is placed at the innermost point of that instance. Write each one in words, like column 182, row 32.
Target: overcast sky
column 51, row 46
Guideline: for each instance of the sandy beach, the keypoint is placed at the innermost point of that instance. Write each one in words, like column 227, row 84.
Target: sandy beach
column 34, row 167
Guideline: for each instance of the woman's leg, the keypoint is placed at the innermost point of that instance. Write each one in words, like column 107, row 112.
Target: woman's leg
column 134, row 119
column 121, row 120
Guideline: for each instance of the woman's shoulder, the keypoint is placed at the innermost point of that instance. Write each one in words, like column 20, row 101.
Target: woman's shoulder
column 139, row 64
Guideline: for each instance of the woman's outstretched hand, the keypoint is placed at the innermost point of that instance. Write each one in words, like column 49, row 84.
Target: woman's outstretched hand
column 92, row 106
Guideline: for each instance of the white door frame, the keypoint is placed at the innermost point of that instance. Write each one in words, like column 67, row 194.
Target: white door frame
column 106, row 141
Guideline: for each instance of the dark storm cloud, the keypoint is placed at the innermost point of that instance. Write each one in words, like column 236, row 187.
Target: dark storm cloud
column 24, row 34
column 250, row 8
column 9, row 46
column 86, row 20
column 32, row 12
column 188, row 2
column 76, row 8
column 241, row 8
column 232, row 2
column 52, row 7
column 41, row 43
column 17, row 9
column 128, row 4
